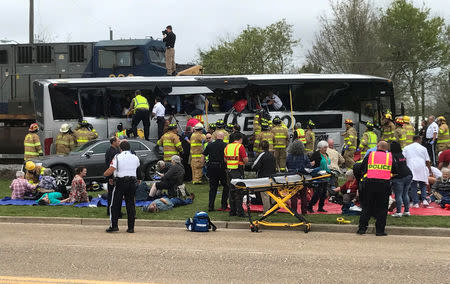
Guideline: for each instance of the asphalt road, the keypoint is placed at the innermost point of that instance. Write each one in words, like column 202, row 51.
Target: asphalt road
column 168, row 255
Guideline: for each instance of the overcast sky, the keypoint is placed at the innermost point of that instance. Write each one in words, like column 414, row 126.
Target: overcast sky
column 197, row 24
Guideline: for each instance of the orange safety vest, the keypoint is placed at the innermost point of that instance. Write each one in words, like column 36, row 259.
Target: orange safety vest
column 379, row 165
column 301, row 135
column 232, row 155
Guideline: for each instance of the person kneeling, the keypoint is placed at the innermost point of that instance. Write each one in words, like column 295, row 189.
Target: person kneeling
column 347, row 193
column 173, row 178
column 164, row 204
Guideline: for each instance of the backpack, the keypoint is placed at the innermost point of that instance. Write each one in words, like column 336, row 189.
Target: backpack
column 200, row 223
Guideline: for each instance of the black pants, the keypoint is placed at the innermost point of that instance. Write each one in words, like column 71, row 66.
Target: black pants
column 125, row 188
column 144, row 116
column 216, row 175
column 236, row 195
column 160, row 120
column 431, row 151
column 374, row 200
column 320, row 194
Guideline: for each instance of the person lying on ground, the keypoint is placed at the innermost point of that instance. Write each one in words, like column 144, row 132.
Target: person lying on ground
column 170, row 180
column 47, row 182
column 348, row 192
column 164, row 204
column 51, row 198
column 20, row 186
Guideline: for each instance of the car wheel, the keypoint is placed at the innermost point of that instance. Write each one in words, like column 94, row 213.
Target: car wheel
column 62, row 175
column 150, row 171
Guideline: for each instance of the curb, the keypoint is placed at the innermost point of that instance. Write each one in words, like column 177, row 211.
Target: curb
column 328, row 228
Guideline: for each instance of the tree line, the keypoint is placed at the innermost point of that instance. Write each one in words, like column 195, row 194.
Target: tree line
column 402, row 42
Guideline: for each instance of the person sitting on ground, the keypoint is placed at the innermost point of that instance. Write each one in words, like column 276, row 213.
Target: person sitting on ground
column 47, row 182
column 52, row 198
column 78, row 191
column 171, row 179
column 348, row 191
column 441, row 189
column 20, row 186
column 164, row 204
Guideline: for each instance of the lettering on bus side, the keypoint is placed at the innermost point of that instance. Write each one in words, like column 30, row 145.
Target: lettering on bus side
column 248, row 123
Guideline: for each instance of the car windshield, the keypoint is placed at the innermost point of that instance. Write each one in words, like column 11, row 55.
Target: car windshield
column 85, row 146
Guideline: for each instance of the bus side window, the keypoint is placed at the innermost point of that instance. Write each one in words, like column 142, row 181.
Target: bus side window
column 64, row 102
column 93, row 102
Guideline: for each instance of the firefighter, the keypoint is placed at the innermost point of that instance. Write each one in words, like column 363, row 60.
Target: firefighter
column 85, row 133
column 121, row 133
column 197, row 140
column 387, row 129
column 281, row 140
column 141, row 112
column 212, row 128
column 368, row 140
column 220, row 128
column 229, row 128
column 299, row 133
column 32, row 144
column 399, row 132
column 264, row 135
column 310, row 137
column 350, row 142
column 34, row 172
column 65, row 141
column 443, row 141
column 171, row 143
column 409, row 129
column 257, row 122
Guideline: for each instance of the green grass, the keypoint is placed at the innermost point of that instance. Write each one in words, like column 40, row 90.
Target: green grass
column 200, row 203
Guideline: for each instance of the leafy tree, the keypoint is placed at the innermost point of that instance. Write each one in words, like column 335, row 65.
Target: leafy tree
column 347, row 41
column 415, row 45
column 255, row 50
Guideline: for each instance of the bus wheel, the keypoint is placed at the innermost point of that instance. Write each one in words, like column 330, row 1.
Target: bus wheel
column 150, row 171
column 62, row 175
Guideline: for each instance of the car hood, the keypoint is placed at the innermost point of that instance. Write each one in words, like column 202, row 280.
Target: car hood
column 51, row 160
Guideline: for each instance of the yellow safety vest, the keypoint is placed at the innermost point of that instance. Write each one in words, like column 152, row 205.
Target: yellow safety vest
column 301, row 135
column 231, row 152
column 140, row 102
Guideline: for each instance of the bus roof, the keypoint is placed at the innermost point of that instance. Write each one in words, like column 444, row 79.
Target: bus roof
column 202, row 80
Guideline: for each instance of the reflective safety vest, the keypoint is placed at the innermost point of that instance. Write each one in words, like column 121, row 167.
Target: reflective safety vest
column 350, row 138
column 121, row 134
column 280, row 138
column 199, row 117
column 443, row 136
column 140, row 102
column 32, row 146
column 264, row 135
column 171, row 145
column 400, row 136
column 379, row 165
column 410, row 132
column 369, row 140
column 204, row 147
column 65, row 142
column 301, row 135
column 231, row 153
column 33, row 177
column 388, row 132
column 84, row 135
column 256, row 125
column 197, row 139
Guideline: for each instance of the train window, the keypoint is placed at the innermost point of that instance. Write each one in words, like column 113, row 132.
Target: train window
column 138, row 57
column 156, row 56
column 105, row 59
column 123, row 58
column 64, row 102
column 76, row 53
column 3, row 57
column 43, row 54
column 93, row 102
column 25, row 54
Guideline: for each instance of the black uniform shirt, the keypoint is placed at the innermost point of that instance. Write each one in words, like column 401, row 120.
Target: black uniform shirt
column 170, row 40
column 109, row 155
column 215, row 152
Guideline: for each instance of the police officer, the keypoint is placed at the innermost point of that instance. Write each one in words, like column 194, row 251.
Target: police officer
column 377, row 169
column 410, row 131
column 216, row 171
column 350, row 140
column 125, row 167
column 197, row 139
column 235, row 158
column 85, row 133
column 368, row 140
column 65, row 141
column 171, row 143
column 387, row 129
column 299, row 133
column 265, row 135
column 32, row 144
column 141, row 112
column 281, row 138
column 310, row 137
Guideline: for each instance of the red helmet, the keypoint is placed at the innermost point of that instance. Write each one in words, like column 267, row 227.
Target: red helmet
column 33, row 127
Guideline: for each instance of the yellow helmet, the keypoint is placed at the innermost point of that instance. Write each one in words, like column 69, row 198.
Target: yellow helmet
column 441, row 118
column 406, row 119
column 29, row 166
column 388, row 116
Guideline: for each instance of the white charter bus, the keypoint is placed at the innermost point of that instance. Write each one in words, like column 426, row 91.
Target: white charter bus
column 326, row 99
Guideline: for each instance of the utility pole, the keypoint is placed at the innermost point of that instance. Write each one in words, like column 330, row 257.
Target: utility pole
column 31, row 31
column 110, row 34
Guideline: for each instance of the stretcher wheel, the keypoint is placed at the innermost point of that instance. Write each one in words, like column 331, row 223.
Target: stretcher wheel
column 254, row 228
column 306, row 230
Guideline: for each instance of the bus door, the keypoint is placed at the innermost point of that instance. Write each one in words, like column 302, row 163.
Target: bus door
column 93, row 102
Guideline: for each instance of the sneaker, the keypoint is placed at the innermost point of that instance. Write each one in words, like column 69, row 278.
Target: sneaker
column 397, row 215
column 355, row 208
column 131, row 231
column 406, row 214
column 416, row 205
column 425, row 202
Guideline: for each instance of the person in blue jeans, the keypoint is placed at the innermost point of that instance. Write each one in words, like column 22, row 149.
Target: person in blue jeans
column 165, row 204
column 402, row 181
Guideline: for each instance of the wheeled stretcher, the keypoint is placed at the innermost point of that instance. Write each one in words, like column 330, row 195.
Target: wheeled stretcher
column 281, row 189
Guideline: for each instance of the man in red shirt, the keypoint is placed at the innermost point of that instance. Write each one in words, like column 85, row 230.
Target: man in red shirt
column 348, row 190
column 444, row 159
